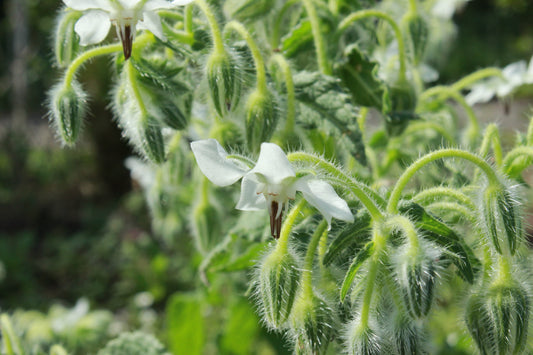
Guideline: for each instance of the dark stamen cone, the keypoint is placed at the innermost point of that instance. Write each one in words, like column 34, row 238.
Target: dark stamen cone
column 127, row 41
column 275, row 219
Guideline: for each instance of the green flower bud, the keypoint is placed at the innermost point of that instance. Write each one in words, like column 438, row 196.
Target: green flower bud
column 67, row 41
column 68, row 108
column 278, row 277
column 406, row 336
column 418, row 30
column 399, row 103
column 500, row 213
column 152, row 142
column 206, row 225
column 498, row 319
column 261, row 118
column 225, row 80
column 312, row 322
column 416, row 272
column 362, row 340
column 228, row 133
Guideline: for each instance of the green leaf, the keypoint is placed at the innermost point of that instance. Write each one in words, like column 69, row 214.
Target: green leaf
column 185, row 325
column 357, row 262
column 241, row 329
column 248, row 10
column 359, row 75
column 351, row 237
column 438, row 232
column 298, row 39
column 324, row 98
column 159, row 73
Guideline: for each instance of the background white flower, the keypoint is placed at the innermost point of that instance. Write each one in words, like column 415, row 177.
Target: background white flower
column 270, row 184
column 94, row 25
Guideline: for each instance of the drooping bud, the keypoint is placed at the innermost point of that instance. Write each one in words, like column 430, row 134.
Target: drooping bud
column 225, row 80
column 416, row 273
column 500, row 213
column 152, row 142
column 399, row 103
column 417, row 28
column 67, row 41
column 68, row 108
column 278, row 277
column 362, row 340
column 497, row 319
column 312, row 322
column 261, row 118
column 406, row 336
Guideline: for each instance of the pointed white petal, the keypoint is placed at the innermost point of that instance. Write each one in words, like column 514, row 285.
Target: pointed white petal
column 181, row 2
column 273, row 164
column 151, row 5
column 211, row 159
column 250, row 200
column 321, row 195
column 129, row 4
column 152, row 23
column 93, row 27
column 82, row 5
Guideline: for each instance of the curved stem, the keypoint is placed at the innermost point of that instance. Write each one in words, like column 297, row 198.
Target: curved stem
column 476, row 76
column 413, row 6
column 398, row 34
column 514, row 154
column 320, row 47
column 492, row 137
column 406, row 226
column 413, row 127
column 189, row 19
column 307, row 285
column 283, row 241
column 213, row 25
column 354, row 185
column 462, row 210
column 256, row 54
column 279, row 60
column 275, row 39
column 396, row 193
column 135, row 89
column 437, row 193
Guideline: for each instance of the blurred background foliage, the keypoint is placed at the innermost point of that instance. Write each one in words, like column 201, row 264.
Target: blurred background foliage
column 75, row 231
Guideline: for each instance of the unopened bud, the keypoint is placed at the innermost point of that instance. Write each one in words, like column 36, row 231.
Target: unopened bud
column 312, row 324
column 406, row 336
column 417, row 28
column 261, row 118
column 498, row 319
column 399, row 105
column 224, row 79
column 278, row 279
column 68, row 106
column 152, row 142
column 67, row 41
column 362, row 340
column 501, row 218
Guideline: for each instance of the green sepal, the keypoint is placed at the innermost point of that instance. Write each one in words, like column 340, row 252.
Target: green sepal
column 157, row 72
column 152, row 142
column 262, row 117
column 438, row 232
column 299, row 39
column 512, row 221
column 357, row 262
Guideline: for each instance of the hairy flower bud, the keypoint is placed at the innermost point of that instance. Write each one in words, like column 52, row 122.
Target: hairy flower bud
column 312, row 322
column 261, row 118
column 152, row 142
column 225, row 80
column 278, row 279
column 68, row 106
column 406, row 336
column 362, row 340
column 498, row 319
column 67, row 41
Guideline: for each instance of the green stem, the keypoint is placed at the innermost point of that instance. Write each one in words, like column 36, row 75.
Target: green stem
column 379, row 243
column 354, row 186
column 135, row 88
column 241, row 158
column 213, row 25
column 437, row 193
column 396, row 193
column 385, row 17
column 256, row 53
column 504, row 271
column 276, row 28
column 283, row 241
column 492, row 137
column 461, row 210
column 413, row 6
column 180, row 36
column 82, row 58
column 472, row 78
column 529, row 136
column 514, row 154
column 307, row 285
column 279, row 60
column 320, row 47
column 323, row 247
column 415, row 126
column 407, row 227
column 10, row 339
column 189, row 19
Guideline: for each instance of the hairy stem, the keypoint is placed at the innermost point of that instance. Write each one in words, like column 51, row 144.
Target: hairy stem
column 213, row 25
column 283, row 241
column 320, row 46
column 280, row 61
column 306, row 285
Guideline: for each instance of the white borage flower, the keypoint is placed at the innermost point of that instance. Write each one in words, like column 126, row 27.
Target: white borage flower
column 94, row 25
column 270, row 184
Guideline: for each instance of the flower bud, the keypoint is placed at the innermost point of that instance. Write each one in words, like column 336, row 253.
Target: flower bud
column 174, row 114
column 206, row 225
column 68, row 106
column 399, row 104
column 416, row 274
column 417, row 28
column 312, row 324
column 362, row 340
column 498, row 319
column 406, row 336
column 67, row 41
column 278, row 279
column 224, row 80
column 501, row 218
column 261, row 118
column 152, row 142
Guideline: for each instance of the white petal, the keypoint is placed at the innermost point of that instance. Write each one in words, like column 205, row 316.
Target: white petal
column 129, row 4
column 93, row 27
column 250, row 200
column 152, row 23
column 181, row 2
column 157, row 4
column 82, row 5
column 321, row 195
column 211, row 159
column 273, row 164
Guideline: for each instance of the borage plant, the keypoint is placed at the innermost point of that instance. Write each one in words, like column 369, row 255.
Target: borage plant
column 387, row 240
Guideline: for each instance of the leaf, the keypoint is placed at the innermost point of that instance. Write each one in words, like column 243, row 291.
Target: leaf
column 353, row 236
column 438, row 232
column 323, row 95
column 159, row 73
column 185, row 325
column 240, row 330
column 249, row 10
column 357, row 262
column 359, row 75
column 298, row 39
